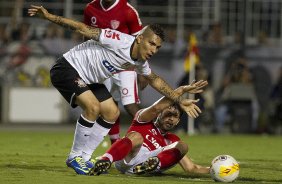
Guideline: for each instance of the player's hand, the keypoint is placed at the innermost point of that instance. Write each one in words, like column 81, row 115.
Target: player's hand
column 38, row 11
column 195, row 87
column 190, row 107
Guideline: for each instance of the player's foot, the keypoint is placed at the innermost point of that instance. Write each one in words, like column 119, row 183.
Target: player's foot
column 91, row 162
column 148, row 166
column 79, row 165
column 101, row 167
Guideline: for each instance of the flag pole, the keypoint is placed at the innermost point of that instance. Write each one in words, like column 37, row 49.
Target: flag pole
column 192, row 58
column 192, row 75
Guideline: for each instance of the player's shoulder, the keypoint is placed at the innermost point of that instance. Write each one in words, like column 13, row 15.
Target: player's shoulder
column 130, row 8
column 137, row 117
column 94, row 2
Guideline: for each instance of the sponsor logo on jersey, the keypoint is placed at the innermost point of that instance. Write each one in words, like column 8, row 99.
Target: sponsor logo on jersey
column 153, row 141
column 109, row 67
column 93, row 21
column 153, row 131
column 80, row 83
column 124, row 91
column 114, row 24
column 112, row 35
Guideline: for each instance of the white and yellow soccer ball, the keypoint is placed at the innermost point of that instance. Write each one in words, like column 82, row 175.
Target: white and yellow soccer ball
column 224, row 168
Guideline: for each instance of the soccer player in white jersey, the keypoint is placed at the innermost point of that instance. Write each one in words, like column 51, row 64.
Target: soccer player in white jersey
column 123, row 86
column 78, row 75
column 148, row 145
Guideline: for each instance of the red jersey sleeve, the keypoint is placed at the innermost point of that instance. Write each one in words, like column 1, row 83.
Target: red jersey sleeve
column 133, row 20
column 136, row 118
column 171, row 138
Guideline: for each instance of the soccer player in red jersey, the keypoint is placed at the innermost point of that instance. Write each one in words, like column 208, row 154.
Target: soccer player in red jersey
column 114, row 14
column 148, row 145
column 118, row 15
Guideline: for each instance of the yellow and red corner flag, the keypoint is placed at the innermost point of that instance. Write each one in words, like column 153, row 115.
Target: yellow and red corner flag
column 192, row 54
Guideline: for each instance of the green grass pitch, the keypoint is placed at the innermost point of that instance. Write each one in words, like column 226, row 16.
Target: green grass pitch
column 39, row 157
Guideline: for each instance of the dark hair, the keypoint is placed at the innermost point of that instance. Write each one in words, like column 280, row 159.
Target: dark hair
column 158, row 30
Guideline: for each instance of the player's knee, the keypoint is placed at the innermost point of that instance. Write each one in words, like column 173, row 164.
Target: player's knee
column 116, row 113
column 92, row 110
column 136, row 138
column 182, row 147
column 111, row 115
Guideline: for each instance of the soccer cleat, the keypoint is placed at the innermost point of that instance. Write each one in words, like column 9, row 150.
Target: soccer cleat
column 148, row 166
column 79, row 165
column 101, row 167
column 91, row 162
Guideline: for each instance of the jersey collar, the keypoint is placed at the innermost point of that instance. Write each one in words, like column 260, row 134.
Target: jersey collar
column 111, row 7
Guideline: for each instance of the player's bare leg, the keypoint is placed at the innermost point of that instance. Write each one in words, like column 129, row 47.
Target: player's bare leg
column 109, row 112
column 91, row 109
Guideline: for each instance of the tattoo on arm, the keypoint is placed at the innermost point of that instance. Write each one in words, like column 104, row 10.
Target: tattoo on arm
column 58, row 20
column 94, row 33
column 87, row 31
column 162, row 86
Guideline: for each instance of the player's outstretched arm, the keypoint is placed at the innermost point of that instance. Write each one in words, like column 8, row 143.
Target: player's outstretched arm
column 79, row 27
column 161, row 86
column 153, row 111
column 189, row 167
column 190, row 107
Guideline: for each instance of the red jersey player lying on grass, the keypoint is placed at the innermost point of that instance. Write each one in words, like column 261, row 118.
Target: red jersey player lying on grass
column 148, row 146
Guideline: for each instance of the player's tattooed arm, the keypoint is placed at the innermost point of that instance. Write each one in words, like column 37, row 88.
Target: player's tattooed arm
column 161, row 86
column 187, row 105
column 87, row 31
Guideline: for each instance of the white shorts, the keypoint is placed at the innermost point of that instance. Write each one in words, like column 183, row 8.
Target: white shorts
column 123, row 87
column 143, row 155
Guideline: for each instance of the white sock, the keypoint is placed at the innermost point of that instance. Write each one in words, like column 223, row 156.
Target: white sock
column 96, row 137
column 82, row 134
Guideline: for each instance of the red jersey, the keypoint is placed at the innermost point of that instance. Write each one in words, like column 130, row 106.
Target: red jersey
column 153, row 138
column 120, row 16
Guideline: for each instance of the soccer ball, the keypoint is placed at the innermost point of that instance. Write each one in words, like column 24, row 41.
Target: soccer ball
column 224, row 168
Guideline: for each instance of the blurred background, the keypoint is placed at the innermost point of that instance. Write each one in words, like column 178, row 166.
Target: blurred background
column 236, row 45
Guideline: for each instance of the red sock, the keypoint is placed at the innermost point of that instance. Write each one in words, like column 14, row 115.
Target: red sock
column 118, row 150
column 169, row 158
column 114, row 132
